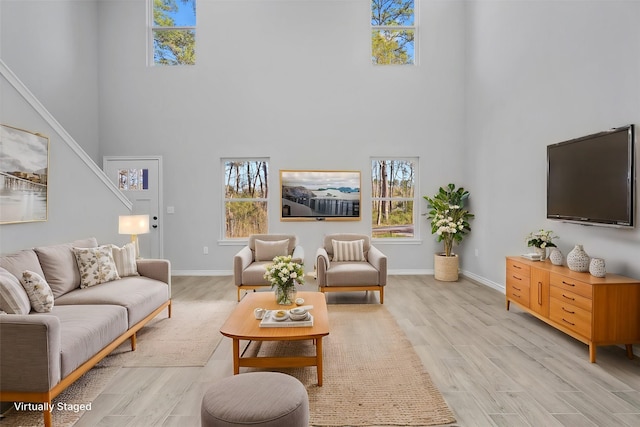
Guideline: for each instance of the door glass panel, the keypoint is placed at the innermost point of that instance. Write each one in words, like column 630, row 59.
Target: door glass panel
column 133, row 179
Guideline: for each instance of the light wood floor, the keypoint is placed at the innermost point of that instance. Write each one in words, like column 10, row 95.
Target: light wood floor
column 494, row 368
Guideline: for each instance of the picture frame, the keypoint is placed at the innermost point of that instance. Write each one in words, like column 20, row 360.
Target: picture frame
column 24, row 171
column 318, row 195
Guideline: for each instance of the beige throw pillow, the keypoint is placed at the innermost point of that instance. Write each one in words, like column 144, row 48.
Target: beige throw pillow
column 96, row 265
column 348, row 250
column 268, row 250
column 39, row 292
column 125, row 259
column 13, row 296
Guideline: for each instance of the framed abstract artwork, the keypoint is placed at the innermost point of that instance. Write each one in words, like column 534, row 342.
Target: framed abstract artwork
column 24, row 168
column 317, row 195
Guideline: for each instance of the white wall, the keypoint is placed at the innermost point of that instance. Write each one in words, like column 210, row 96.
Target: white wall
column 540, row 72
column 52, row 47
column 290, row 80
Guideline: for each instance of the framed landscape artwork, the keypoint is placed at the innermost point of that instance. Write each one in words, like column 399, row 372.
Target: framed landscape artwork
column 24, row 166
column 316, row 195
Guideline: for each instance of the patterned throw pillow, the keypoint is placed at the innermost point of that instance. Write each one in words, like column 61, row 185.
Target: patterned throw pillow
column 125, row 259
column 96, row 265
column 39, row 292
column 13, row 297
column 348, row 250
column 268, row 250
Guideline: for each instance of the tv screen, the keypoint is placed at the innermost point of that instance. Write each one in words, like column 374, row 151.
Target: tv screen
column 590, row 179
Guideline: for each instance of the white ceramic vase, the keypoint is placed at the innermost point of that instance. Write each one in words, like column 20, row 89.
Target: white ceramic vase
column 578, row 260
column 556, row 256
column 597, row 267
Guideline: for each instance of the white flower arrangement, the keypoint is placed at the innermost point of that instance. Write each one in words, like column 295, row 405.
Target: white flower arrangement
column 283, row 273
column 449, row 218
column 541, row 239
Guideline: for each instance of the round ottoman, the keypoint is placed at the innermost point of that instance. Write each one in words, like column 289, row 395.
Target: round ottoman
column 256, row 399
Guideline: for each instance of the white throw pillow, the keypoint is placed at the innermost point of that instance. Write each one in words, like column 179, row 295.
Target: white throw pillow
column 96, row 265
column 344, row 250
column 268, row 250
column 13, row 296
column 39, row 291
column 125, row 259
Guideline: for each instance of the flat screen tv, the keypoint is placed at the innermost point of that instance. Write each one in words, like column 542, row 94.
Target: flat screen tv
column 591, row 180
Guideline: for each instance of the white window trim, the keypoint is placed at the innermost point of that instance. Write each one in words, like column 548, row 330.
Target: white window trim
column 150, row 29
column 413, row 27
column 416, row 206
column 223, row 215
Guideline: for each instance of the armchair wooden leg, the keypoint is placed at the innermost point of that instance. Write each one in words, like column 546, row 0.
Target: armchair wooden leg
column 381, row 294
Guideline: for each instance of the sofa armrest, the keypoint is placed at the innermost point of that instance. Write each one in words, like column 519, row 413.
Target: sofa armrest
column 298, row 255
column 322, row 264
column 379, row 261
column 241, row 261
column 30, row 348
column 158, row 269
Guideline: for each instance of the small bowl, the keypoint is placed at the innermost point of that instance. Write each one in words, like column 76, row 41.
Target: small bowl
column 298, row 311
column 299, row 301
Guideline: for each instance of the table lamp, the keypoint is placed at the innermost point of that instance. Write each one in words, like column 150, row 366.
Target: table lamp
column 133, row 225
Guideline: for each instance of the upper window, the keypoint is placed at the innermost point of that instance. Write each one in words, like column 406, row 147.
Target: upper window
column 393, row 32
column 246, row 190
column 173, row 32
column 393, row 197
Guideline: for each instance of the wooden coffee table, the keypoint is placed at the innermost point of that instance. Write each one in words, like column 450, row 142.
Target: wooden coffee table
column 242, row 325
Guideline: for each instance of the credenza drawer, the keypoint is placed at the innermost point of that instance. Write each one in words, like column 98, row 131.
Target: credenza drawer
column 571, row 317
column 518, row 267
column 571, row 285
column 572, row 298
column 519, row 292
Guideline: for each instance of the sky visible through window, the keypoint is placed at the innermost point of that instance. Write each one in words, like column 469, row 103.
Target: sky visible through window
column 185, row 13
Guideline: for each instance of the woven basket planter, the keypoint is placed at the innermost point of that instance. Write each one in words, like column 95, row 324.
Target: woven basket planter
column 446, row 267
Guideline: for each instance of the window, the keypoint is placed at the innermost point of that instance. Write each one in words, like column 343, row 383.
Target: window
column 133, row 179
column 246, row 189
column 173, row 32
column 392, row 32
column 393, row 197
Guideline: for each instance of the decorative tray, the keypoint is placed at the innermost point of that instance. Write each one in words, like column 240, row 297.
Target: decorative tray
column 269, row 321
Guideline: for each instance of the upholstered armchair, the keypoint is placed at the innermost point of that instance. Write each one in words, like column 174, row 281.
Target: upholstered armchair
column 249, row 264
column 348, row 262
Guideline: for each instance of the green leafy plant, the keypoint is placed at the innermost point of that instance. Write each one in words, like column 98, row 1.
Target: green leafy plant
column 449, row 219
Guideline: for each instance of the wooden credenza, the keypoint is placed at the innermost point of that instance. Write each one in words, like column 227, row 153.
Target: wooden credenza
column 596, row 311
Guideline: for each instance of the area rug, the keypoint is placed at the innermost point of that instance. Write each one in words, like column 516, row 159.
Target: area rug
column 372, row 374
column 188, row 338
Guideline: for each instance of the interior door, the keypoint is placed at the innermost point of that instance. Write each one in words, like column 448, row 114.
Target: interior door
column 140, row 179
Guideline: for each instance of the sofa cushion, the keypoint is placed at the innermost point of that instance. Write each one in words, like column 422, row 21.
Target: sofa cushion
column 125, row 259
column 38, row 290
column 267, row 251
column 19, row 262
column 96, row 265
column 13, row 297
column 348, row 250
column 85, row 330
column 351, row 274
column 59, row 265
column 139, row 295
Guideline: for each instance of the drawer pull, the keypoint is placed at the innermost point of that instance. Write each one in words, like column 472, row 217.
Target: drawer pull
column 517, row 289
column 566, row 321
column 516, row 295
column 516, row 266
column 567, row 311
column 568, row 284
column 569, row 298
column 516, row 277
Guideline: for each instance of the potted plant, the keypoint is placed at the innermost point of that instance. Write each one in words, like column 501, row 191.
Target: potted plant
column 450, row 223
column 284, row 274
column 541, row 240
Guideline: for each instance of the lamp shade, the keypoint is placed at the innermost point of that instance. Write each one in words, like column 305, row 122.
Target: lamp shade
column 133, row 224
